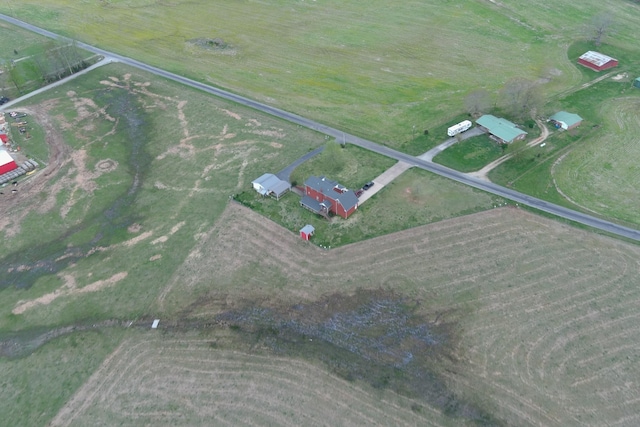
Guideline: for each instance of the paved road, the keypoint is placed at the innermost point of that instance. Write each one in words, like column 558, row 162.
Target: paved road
column 285, row 174
column 490, row 187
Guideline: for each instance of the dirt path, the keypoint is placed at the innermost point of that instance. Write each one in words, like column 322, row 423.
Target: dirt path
column 482, row 173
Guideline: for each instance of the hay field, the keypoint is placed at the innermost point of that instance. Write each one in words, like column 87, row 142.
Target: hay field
column 601, row 173
column 376, row 70
column 164, row 380
column 546, row 316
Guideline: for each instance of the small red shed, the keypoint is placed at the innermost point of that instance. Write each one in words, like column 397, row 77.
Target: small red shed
column 7, row 164
column 307, row 231
column 597, row 61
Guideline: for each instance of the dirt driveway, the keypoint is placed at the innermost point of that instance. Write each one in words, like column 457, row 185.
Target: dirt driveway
column 482, row 173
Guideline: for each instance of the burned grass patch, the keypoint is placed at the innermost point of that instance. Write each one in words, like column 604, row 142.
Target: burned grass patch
column 378, row 337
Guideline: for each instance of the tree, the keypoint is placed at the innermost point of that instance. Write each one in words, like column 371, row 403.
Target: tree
column 599, row 28
column 477, row 102
column 332, row 158
column 522, row 97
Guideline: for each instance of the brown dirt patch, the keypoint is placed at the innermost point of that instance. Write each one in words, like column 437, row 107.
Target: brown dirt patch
column 59, row 155
column 134, row 228
column 68, row 288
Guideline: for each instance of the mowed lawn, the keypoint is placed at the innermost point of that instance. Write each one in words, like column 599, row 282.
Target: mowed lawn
column 414, row 198
column 602, row 173
column 376, row 70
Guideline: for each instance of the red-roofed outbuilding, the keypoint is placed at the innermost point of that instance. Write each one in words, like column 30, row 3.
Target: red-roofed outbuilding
column 597, row 61
column 7, row 164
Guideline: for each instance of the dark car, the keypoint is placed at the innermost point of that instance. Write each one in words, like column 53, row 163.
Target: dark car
column 368, row 185
column 4, row 100
column 20, row 115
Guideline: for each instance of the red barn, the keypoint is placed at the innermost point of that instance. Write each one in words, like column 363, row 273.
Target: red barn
column 307, row 231
column 7, row 164
column 597, row 61
column 323, row 195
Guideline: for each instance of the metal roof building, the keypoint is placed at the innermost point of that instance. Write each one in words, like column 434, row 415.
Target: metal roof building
column 323, row 194
column 566, row 120
column 270, row 185
column 501, row 129
column 7, row 164
column 597, row 61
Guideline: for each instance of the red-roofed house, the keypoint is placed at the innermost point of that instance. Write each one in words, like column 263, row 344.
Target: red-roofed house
column 7, row 164
column 597, row 61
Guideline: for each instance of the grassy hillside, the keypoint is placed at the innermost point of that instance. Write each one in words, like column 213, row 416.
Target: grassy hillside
column 377, row 70
column 601, row 173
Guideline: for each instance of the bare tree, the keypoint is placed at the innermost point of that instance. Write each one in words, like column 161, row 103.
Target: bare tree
column 522, row 97
column 599, row 28
column 477, row 102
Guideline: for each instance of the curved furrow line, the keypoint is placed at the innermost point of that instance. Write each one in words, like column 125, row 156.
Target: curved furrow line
column 302, row 371
column 277, row 374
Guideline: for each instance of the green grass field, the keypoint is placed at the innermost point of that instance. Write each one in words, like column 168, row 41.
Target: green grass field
column 149, row 168
column 377, row 72
column 601, row 173
column 471, row 154
column 534, row 322
column 580, row 163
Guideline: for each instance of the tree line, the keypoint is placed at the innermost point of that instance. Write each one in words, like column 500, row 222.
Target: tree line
column 53, row 60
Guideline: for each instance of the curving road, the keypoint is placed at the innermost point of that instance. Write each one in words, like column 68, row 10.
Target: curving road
column 489, row 187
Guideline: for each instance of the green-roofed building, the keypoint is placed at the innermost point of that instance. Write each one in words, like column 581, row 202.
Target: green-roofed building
column 636, row 82
column 502, row 130
column 565, row 121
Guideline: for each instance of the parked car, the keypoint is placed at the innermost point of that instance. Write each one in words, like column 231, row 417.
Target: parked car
column 4, row 100
column 19, row 115
column 368, row 185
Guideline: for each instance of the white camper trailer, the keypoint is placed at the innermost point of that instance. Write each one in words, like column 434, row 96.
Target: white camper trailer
column 459, row 128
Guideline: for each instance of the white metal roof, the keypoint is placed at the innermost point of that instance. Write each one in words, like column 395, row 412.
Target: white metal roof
column 596, row 58
column 5, row 158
